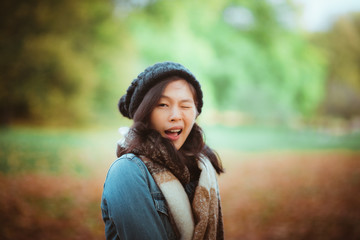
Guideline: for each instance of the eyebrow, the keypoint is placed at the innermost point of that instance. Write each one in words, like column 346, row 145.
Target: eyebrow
column 182, row 100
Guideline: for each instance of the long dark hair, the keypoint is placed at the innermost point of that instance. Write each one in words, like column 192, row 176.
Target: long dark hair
column 193, row 147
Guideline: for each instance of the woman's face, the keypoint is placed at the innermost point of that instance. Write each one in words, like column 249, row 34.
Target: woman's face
column 174, row 115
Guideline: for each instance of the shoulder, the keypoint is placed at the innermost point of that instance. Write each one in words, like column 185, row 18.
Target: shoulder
column 129, row 160
column 126, row 167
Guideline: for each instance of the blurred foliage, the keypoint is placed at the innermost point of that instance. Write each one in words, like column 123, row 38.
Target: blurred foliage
column 256, row 66
column 68, row 62
column 58, row 63
column 342, row 46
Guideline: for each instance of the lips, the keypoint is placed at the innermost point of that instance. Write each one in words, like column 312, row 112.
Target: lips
column 173, row 133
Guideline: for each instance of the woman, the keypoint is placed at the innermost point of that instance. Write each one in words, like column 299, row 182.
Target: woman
column 163, row 185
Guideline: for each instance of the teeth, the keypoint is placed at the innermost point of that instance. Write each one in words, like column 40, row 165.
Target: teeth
column 177, row 130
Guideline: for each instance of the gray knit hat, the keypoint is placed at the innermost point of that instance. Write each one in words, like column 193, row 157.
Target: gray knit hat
column 152, row 75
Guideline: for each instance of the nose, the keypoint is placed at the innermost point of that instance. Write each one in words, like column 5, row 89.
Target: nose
column 175, row 114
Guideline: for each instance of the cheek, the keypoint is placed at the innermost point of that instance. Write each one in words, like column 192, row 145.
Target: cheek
column 191, row 117
column 154, row 119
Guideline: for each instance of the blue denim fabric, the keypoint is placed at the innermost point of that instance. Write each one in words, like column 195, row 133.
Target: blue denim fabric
column 133, row 206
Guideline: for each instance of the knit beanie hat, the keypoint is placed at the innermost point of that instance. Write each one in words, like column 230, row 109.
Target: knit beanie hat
column 152, row 75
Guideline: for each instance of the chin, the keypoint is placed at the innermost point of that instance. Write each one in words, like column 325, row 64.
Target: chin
column 178, row 146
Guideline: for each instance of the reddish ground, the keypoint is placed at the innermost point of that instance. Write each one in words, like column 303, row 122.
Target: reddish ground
column 287, row 195
column 292, row 196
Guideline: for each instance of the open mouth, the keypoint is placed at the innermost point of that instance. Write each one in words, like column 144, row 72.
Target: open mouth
column 173, row 133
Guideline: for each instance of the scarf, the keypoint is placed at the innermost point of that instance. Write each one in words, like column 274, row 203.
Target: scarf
column 199, row 219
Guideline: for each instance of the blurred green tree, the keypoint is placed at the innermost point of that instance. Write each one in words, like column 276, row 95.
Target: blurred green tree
column 243, row 54
column 342, row 47
column 67, row 61
column 58, row 59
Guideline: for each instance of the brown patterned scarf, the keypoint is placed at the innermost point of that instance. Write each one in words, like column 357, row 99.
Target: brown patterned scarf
column 199, row 219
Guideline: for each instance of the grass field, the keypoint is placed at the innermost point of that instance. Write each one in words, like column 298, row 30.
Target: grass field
column 279, row 184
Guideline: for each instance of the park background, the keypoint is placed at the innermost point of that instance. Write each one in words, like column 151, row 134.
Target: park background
column 281, row 82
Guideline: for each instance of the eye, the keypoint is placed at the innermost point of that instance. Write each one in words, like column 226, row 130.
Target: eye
column 186, row 107
column 162, row 105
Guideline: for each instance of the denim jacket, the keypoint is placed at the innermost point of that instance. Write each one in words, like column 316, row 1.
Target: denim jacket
column 132, row 205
